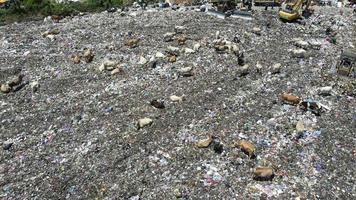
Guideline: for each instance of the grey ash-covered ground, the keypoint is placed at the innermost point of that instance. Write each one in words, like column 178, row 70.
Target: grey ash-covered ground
column 71, row 132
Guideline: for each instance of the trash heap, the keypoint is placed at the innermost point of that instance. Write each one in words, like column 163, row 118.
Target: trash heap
column 169, row 103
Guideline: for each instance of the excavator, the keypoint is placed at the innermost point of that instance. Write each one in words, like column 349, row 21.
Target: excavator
column 292, row 10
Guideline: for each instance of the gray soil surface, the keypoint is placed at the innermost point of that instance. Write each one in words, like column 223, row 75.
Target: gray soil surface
column 76, row 136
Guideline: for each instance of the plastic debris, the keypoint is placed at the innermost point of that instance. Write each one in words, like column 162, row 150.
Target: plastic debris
column 289, row 98
column 144, row 122
column 88, row 55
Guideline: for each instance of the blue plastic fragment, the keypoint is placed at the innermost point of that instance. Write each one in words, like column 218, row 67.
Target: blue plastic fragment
column 109, row 109
column 317, row 133
column 318, row 167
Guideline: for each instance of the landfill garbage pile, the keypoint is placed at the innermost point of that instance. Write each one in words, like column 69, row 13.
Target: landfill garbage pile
column 163, row 104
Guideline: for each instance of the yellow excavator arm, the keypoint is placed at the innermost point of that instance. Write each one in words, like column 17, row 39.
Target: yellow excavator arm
column 291, row 10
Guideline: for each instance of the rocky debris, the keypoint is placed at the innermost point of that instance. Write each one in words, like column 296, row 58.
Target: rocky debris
column 233, row 48
column 47, row 19
column 240, row 58
column 122, row 13
column 188, row 51
column 247, row 147
column 168, row 37
column 263, row 173
column 117, row 70
column 76, row 58
column 300, row 126
column 16, row 80
column 34, row 86
column 88, row 55
column 177, row 193
column 144, row 122
column 179, row 29
column 56, row 18
column 159, row 55
column 26, row 53
column 218, row 147
column 5, row 88
column 204, row 143
column 186, row 71
column 172, row 49
column 315, row 44
column 152, row 64
column 7, row 146
column 244, row 70
column 172, row 58
column 276, row 68
column 157, row 104
column 217, row 35
column 132, row 43
column 111, row 47
column 101, row 67
column 181, row 40
column 19, row 86
column 302, row 44
column 176, row 98
column 224, row 46
column 111, row 10
column 257, row 30
column 299, row 53
column 14, row 84
column 108, row 65
column 212, row 176
column 142, row 61
column 220, row 48
column 50, row 34
column 196, row 46
column 258, row 67
column 136, row 197
column 264, row 196
column 325, row 91
column 51, row 37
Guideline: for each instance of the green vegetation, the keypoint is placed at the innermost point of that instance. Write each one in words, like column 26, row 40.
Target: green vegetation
column 20, row 10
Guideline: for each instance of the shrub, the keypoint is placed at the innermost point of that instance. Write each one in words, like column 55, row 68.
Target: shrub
column 21, row 9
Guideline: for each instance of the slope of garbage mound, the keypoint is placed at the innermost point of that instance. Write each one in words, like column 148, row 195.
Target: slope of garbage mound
column 163, row 104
